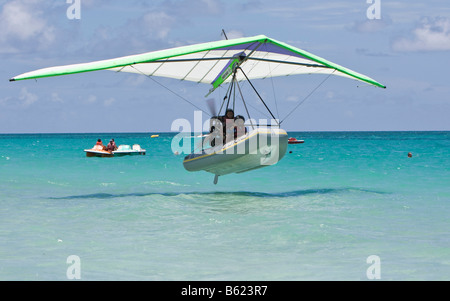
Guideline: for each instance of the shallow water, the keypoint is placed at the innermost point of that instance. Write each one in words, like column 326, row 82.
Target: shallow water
column 316, row 215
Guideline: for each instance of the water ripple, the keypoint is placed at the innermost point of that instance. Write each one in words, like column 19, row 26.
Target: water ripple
column 294, row 193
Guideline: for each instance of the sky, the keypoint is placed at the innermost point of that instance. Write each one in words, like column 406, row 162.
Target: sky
column 404, row 45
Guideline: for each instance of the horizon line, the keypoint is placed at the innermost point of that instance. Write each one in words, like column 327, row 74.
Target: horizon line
column 175, row 132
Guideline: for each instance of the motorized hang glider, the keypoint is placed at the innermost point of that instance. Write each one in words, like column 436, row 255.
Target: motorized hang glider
column 218, row 63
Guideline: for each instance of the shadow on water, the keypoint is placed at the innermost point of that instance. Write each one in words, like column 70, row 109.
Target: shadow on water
column 294, row 193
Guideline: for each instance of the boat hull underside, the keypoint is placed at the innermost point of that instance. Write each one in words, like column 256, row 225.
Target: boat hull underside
column 105, row 154
column 257, row 149
column 128, row 153
column 94, row 153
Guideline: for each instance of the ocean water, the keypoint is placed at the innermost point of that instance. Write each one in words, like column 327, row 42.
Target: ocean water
column 319, row 214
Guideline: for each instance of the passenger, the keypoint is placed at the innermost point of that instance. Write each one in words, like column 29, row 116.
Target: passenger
column 114, row 144
column 111, row 146
column 239, row 129
column 228, row 125
column 99, row 145
column 229, row 114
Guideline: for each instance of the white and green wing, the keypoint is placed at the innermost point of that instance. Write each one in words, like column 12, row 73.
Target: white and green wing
column 213, row 63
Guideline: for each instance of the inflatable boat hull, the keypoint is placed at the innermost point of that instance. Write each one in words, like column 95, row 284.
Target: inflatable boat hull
column 256, row 149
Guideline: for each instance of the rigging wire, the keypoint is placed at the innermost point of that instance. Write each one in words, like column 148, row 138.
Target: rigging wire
column 225, row 98
column 168, row 89
column 274, row 95
column 248, row 114
column 248, row 104
column 234, row 95
column 258, row 95
column 314, row 90
column 273, row 87
column 231, row 90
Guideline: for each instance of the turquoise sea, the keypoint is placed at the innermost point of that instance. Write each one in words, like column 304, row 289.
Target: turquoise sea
column 336, row 201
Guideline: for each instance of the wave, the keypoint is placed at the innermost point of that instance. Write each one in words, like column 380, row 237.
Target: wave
column 286, row 194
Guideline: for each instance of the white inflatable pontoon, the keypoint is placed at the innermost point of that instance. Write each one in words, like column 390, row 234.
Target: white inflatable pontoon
column 258, row 148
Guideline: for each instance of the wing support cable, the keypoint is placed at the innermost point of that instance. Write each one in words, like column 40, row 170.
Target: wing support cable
column 170, row 90
column 304, row 99
column 254, row 89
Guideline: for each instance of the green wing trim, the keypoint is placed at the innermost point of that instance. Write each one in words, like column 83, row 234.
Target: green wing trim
column 133, row 59
column 328, row 63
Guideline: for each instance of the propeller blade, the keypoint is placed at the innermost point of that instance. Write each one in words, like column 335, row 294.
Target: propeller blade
column 212, row 106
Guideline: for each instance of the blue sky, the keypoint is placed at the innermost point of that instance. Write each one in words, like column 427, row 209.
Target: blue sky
column 407, row 49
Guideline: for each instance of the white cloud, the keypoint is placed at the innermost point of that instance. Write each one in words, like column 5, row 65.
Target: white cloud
column 157, row 24
column 212, row 6
column 27, row 98
column 22, row 22
column 292, row 98
column 55, row 98
column 109, row 101
column 371, row 26
column 139, row 34
column 91, row 99
column 329, row 95
column 24, row 100
column 432, row 34
column 234, row 34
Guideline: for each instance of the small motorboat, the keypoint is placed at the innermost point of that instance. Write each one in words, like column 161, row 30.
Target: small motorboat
column 98, row 151
column 124, row 150
column 295, row 141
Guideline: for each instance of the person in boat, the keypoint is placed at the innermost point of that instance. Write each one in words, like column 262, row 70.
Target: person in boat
column 111, row 146
column 228, row 125
column 239, row 128
column 99, row 145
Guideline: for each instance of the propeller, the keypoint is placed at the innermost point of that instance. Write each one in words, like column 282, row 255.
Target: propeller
column 212, row 106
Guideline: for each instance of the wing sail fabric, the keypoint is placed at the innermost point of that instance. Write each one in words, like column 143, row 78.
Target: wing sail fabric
column 204, row 63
